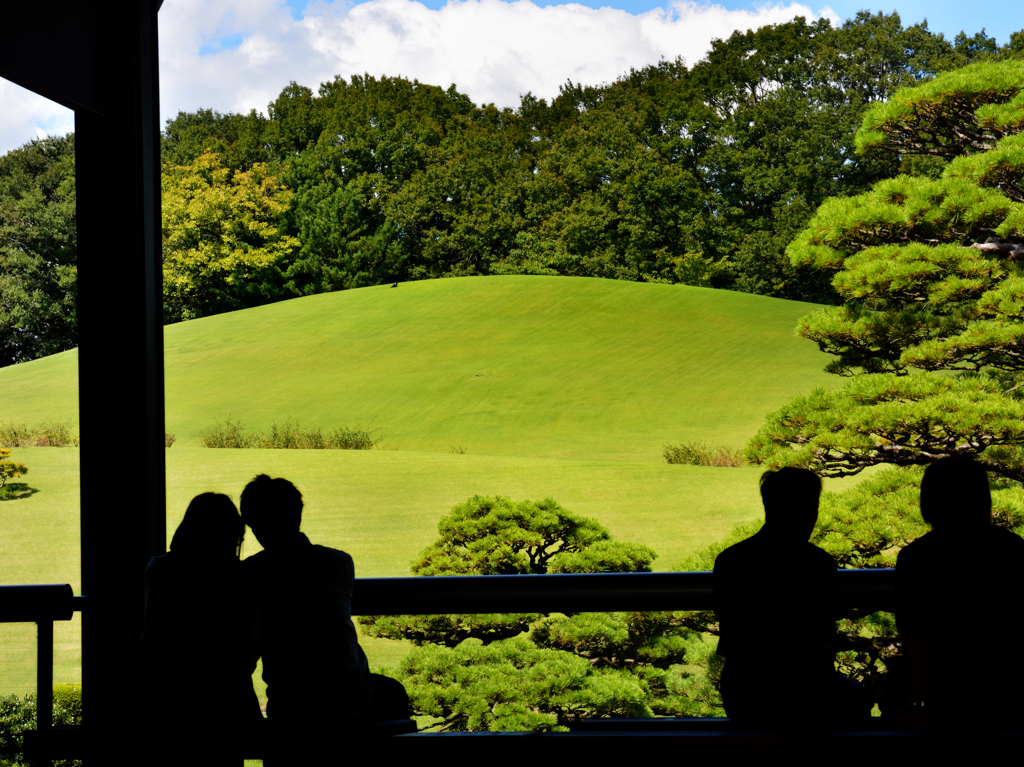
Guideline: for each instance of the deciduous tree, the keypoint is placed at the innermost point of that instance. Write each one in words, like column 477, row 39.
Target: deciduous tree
column 38, row 250
column 223, row 243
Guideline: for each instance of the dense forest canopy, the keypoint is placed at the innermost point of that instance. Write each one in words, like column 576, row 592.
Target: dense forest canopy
column 697, row 174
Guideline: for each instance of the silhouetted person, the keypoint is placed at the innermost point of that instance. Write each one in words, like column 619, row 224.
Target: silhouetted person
column 199, row 631
column 318, row 680
column 958, row 606
column 776, row 599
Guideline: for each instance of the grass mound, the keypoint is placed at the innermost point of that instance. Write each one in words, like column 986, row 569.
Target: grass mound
column 556, row 367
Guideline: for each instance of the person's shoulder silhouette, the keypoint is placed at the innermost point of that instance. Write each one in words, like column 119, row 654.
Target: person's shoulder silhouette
column 777, row 568
column 964, row 556
column 965, row 565
column 313, row 665
column 776, row 596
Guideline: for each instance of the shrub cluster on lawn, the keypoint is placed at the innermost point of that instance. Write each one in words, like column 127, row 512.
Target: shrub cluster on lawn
column 44, row 435
column 17, row 715
column 703, row 454
column 288, row 436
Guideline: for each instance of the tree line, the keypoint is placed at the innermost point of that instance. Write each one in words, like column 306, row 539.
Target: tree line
column 698, row 175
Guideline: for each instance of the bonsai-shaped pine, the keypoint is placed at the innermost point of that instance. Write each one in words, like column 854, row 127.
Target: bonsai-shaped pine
column 478, row 672
column 927, row 271
column 9, row 469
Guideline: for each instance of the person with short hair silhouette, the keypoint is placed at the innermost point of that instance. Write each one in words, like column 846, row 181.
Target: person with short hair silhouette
column 199, row 630
column 318, row 679
column 776, row 599
column 957, row 606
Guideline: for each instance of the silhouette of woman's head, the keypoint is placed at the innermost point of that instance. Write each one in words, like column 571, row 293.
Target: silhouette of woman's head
column 211, row 528
column 272, row 508
column 955, row 493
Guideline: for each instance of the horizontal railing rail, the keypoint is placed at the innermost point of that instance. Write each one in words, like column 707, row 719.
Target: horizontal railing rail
column 431, row 595
column 589, row 592
column 30, row 604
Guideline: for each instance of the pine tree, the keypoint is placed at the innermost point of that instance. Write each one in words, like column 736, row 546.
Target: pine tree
column 930, row 328
column 542, row 671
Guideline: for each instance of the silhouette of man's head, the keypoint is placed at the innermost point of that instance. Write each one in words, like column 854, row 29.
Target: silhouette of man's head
column 272, row 508
column 790, row 498
column 955, row 493
column 211, row 528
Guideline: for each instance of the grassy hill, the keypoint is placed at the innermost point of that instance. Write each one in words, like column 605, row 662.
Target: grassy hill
column 549, row 367
column 554, row 386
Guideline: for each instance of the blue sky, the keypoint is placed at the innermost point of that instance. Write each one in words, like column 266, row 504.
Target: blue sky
column 237, row 55
column 999, row 18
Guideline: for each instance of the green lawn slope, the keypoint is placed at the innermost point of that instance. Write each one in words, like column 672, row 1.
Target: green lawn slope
column 533, row 366
column 555, row 387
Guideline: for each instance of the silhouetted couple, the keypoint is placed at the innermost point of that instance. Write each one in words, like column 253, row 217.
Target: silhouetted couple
column 209, row 617
column 777, row 601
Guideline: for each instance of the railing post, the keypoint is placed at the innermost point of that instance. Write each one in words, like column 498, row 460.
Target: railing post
column 44, row 684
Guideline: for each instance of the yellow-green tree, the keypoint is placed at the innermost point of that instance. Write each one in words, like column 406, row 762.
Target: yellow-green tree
column 223, row 237
column 9, row 469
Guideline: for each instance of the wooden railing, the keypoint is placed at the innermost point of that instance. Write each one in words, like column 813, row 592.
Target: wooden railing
column 577, row 593
column 42, row 605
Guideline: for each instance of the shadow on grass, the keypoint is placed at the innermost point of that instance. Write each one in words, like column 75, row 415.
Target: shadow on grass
column 12, row 491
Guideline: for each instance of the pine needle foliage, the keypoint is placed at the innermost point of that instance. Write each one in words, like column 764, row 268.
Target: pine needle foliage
column 958, row 112
column 543, row 671
column 929, row 276
column 9, row 469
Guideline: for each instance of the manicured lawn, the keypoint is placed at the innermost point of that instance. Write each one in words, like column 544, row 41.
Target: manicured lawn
column 541, row 367
column 383, row 507
column 380, row 506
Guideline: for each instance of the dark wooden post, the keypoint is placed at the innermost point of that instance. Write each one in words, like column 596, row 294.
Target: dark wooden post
column 100, row 59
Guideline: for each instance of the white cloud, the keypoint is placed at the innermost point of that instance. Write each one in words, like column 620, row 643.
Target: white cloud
column 493, row 51
column 25, row 116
